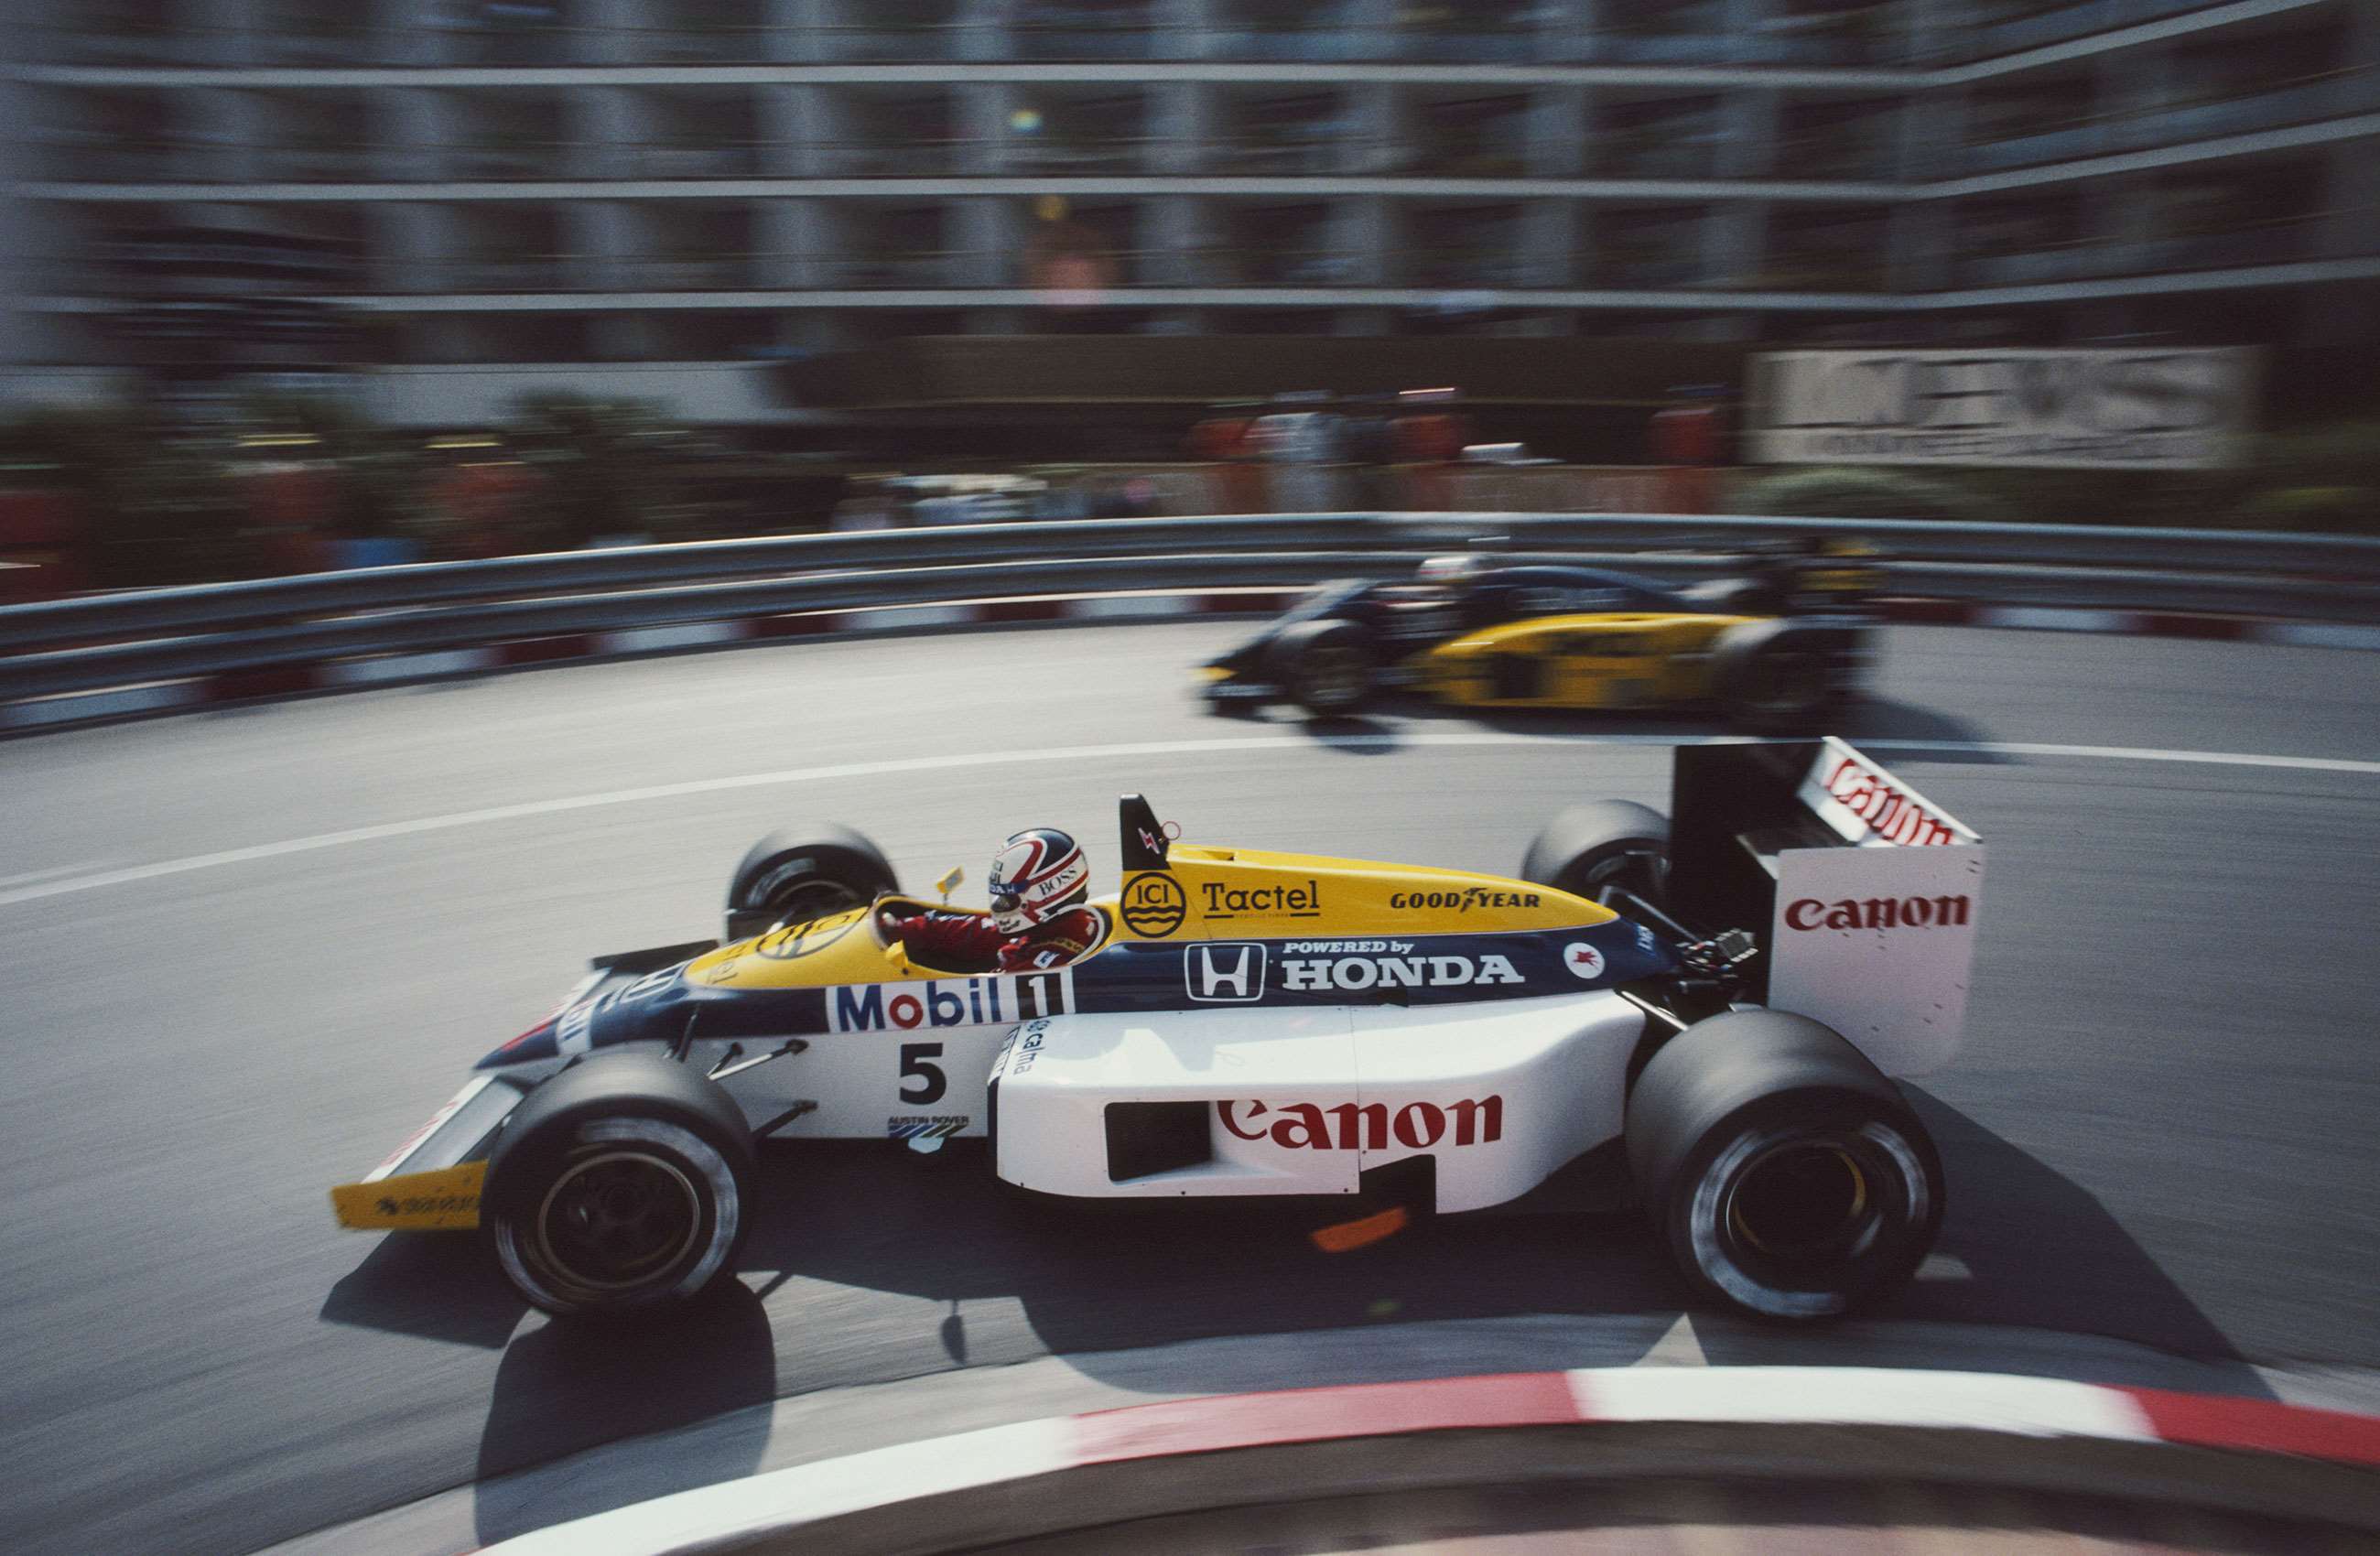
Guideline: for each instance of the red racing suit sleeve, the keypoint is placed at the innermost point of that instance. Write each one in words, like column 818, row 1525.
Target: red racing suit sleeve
column 1055, row 943
column 946, row 939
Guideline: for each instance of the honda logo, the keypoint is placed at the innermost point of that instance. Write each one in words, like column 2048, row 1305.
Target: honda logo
column 1227, row 974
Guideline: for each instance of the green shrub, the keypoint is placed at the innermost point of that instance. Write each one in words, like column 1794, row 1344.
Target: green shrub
column 2314, row 510
column 1856, row 492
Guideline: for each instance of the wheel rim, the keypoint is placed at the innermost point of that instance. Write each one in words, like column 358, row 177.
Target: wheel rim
column 617, row 1219
column 1785, row 683
column 1334, row 675
column 1802, row 1203
column 1800, row 1222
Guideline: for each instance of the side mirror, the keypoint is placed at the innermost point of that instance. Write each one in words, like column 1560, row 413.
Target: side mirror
column 949, row 881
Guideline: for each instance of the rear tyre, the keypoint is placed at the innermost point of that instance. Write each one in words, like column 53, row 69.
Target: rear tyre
column 1591, row 849
column 1776, row 676
column 1329, row 668
column 796, row 874
column 620, row 1185
column 1785, row 1174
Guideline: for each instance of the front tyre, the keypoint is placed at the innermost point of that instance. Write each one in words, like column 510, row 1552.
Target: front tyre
column 1603, row 846
column 798, row 874
column 1776, row 676
column 620, row 1185
column 1331, row 668
column 1784, row 1170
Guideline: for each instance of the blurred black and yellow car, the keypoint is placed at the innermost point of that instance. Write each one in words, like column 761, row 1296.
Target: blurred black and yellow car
column 1781, row 647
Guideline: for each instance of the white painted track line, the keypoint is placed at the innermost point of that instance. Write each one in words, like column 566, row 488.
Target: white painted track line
column 841, row 770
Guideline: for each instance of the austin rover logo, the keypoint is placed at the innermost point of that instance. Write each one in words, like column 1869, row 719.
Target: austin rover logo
column 1230, row 973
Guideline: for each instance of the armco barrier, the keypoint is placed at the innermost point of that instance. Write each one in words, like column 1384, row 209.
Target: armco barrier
column 1833, row 1426
column 127, row 639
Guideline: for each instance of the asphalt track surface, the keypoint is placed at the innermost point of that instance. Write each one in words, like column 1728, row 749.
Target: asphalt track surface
column 247, row 950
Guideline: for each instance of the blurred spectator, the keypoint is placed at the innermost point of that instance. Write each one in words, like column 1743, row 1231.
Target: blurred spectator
column 479, row 503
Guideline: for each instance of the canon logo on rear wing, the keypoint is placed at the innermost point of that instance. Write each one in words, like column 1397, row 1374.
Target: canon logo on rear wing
column 1859, row 802
column 1877, row 913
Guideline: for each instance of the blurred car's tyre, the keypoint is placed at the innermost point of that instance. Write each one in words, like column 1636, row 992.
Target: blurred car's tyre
column 1326, row 667
column 1785, row 1174
column 798, row 873
column 1602, row 846
column 620, row 1185
column 1776, row 676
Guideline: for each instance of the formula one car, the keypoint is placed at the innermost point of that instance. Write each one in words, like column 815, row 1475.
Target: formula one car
column 1700, row 1017
column 1775, row 648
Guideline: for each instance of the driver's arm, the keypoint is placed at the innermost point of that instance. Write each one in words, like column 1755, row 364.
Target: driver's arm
column 938, row 933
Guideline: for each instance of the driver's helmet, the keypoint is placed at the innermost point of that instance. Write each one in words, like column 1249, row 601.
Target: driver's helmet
column 1450, row 572
column 1036, row 875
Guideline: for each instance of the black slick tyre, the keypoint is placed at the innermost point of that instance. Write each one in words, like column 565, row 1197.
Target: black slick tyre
column 1783, row 1170
column 1774, row 676
column 796, row 874
column 620, row 1185
column 1605, row 845
column 1329, row 668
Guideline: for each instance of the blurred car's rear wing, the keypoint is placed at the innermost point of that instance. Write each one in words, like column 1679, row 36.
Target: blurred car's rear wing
column 1865, row 895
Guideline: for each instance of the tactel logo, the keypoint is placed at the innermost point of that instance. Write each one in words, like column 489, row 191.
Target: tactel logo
column 1154, row 904
column 1230, row 973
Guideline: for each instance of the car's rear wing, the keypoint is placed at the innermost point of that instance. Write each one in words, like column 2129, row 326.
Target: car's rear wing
column 1865, row 894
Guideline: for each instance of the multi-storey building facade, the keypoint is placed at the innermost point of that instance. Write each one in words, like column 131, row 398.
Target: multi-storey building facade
column 501, row 192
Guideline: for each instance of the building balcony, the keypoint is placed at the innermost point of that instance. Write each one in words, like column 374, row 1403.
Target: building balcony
column 2267, row 243
column 2236, row 111
column 1649, row 266
column 2336, row 94
column 723, row 41
column 913, row 271
column 1860, row 153
column 887, row 159
column 1056, row 32
column 1815, row 270
column 685, row 272
column 1318, row 155
column 1024, row 157
column 1662, row 153
column 669, row 159
column 912, row 41
column 2013, row 25
column 493, row 272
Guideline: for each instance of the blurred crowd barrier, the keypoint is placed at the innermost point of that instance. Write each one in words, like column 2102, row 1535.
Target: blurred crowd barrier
column 1188, row 491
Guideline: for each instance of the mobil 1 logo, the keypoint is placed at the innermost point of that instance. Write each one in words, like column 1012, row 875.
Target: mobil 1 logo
column 1226, row 972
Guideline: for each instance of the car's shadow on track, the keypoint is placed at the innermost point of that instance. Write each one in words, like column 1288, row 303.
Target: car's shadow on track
column 852, row 1236
column 2036, row 1251
column 567, row 1388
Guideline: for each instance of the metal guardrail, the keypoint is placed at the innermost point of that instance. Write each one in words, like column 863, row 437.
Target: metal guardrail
column 157, row 634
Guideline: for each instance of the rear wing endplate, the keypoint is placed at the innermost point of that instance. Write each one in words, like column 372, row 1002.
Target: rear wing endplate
column 1865, row 894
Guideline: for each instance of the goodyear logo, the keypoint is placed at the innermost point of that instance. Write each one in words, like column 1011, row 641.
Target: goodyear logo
column 1466, row 900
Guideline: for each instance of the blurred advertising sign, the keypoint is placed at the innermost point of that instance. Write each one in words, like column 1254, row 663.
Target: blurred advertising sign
column 2133, row 410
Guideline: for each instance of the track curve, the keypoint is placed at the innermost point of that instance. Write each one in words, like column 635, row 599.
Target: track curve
column 247, row 950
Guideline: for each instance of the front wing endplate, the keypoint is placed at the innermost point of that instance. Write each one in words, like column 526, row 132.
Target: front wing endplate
column 447, row 1199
